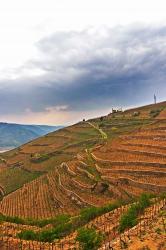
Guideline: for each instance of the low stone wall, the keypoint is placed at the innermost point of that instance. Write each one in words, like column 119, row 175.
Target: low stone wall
column 146, row 186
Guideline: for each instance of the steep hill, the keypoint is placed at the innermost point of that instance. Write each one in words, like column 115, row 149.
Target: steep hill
column 13, row 135
column 90, row 164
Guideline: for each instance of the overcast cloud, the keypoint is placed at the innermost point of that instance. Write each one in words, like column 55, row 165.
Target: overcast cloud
column 94, row 69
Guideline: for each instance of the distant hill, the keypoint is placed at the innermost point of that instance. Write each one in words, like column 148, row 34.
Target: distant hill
column 13, row 135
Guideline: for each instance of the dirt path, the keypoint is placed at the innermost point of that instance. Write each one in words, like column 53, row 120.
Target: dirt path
column 103, row 134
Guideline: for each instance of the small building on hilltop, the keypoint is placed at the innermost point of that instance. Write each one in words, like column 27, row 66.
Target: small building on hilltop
column 116, row 110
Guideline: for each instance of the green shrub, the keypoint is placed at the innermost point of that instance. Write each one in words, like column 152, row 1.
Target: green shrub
column 89, row 214
column 158, row 230
column 101, row 124
column 37, row 158
column 162, row 195
column 129, row 219
column 56, row 233
column 62, row 230
column 61, row 219
column 39, row 223
column 27, row 235
column 155, row 112
column 47, row 235
column 14, row 219
column 89, row 239
column 144, row 201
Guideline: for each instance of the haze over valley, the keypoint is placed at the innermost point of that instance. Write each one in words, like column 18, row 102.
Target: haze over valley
column 13, row 135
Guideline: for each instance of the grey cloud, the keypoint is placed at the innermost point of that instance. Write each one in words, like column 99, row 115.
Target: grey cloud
column 92, row 68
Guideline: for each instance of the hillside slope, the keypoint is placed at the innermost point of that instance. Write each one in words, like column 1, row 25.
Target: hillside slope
column 90, row 164
column 13, row 135
column 120, row 155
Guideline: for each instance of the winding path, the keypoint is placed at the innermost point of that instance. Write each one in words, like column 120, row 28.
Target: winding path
column 103, row 134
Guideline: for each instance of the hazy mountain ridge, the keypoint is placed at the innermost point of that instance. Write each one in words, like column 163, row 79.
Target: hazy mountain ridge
column 13, row 135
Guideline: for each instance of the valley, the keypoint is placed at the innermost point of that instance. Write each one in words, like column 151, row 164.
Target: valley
column 13, row 135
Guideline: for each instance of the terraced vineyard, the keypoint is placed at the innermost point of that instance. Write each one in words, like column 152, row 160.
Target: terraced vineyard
column 136, row 160
column 108, row 224
column 89, row 164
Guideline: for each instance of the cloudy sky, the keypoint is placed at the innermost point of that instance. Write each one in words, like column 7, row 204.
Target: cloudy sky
column 64, row 60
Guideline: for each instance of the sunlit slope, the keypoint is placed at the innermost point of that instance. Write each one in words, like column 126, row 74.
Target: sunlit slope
column 88, row 164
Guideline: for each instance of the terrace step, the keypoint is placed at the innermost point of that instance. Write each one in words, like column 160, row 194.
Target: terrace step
column 79, row 201
column 84, row 171
column 82, row 185
column 128, row 181
column 145, row 145
column 66, row 167
column 140, row 152
column 152, row 137
column 131, row 172
column 129, row 163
